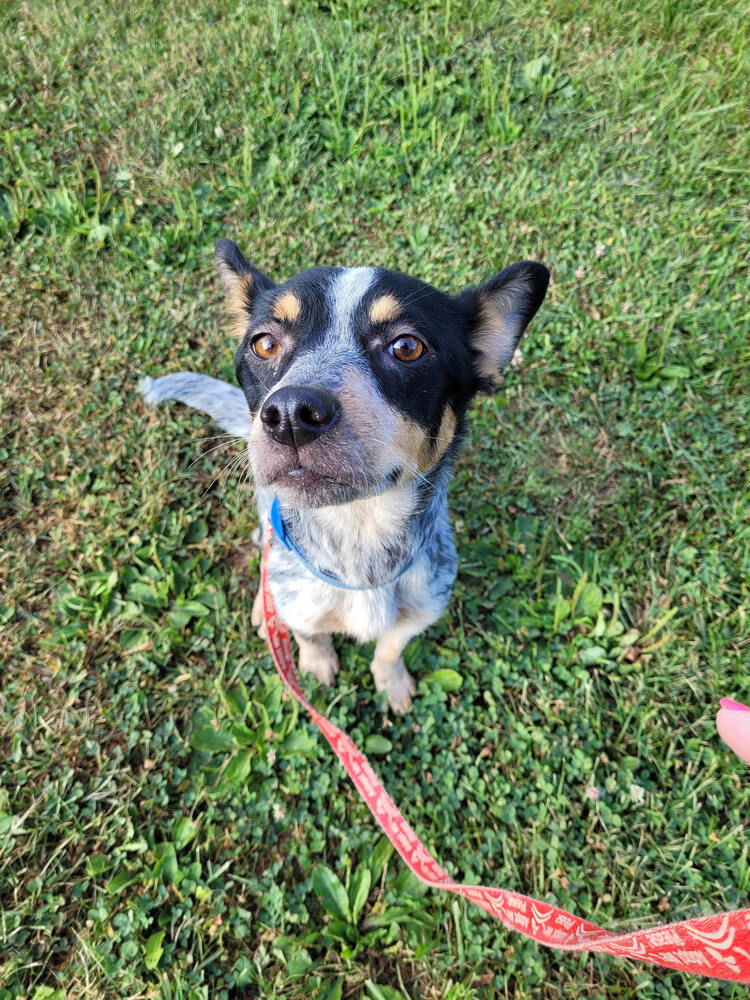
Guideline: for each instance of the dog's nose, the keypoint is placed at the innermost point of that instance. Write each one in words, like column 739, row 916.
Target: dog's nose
column 296, row 416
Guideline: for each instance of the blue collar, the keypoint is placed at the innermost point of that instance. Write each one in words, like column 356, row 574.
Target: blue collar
column 286, row 538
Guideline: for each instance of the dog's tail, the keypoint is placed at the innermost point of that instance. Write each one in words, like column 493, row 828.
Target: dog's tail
column 224, row 402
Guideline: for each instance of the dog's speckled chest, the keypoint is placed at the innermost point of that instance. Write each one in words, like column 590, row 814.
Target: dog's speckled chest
column 310, row 606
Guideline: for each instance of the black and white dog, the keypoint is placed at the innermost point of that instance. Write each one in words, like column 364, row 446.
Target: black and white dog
column 355, row 384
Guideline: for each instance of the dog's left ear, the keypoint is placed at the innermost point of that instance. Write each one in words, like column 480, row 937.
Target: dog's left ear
column 242, row 282
column 500, row 311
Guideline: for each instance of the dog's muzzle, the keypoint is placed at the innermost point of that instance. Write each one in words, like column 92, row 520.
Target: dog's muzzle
column 296, row 415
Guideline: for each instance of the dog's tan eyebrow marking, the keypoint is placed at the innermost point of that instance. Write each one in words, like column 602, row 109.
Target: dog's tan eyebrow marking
column 287, row 307
column 385, row 308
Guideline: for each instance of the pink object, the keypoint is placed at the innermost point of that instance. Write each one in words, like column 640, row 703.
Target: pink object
column 733, row 723
column 717, row 945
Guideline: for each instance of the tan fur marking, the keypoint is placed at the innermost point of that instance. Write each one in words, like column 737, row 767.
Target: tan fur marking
column 440, row 444
column 495, row 337
column 384, row 309
column 374, row 423
column 425, row 452
column 287, row 307
column 239, row 296
column 387, row 437
column 412, row 443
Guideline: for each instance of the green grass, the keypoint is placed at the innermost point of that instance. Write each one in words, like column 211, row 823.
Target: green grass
column 169, row 826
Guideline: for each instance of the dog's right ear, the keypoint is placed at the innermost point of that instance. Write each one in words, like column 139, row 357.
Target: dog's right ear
column 499, row 312
column 242, row 281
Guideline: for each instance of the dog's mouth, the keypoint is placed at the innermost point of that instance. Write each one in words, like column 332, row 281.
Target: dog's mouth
column 312, row 487
column 301, row 475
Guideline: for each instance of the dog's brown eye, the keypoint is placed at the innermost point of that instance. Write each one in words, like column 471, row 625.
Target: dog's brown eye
column 265, row 346
column 407, row 348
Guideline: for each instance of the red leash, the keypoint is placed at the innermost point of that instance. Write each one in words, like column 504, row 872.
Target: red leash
column 717, row 946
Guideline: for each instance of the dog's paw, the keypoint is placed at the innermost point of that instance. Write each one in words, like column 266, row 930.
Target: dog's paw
column 323, row 664
column 399, row 685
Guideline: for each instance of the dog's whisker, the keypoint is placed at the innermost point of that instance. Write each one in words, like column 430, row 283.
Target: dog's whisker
column 217, row 449
column 224, row 470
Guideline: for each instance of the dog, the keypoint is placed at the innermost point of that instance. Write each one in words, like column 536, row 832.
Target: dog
column 355, row 383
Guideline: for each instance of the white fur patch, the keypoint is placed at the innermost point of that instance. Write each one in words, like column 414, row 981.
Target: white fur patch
column 346, row 293
column 365, row 523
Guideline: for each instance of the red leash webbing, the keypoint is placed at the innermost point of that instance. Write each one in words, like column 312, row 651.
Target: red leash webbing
column 717, row 945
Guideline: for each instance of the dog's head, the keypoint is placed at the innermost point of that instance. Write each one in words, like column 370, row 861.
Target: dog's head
column 359, row 378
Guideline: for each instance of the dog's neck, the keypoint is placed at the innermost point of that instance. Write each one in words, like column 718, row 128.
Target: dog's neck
column 366, row 542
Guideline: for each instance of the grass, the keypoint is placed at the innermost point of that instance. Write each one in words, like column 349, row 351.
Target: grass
column 169, row 826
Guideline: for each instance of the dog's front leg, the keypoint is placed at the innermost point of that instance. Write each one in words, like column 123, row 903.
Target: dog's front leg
column 316, row 653
column 317, row 656
column 388, row 668
column 256, row 616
